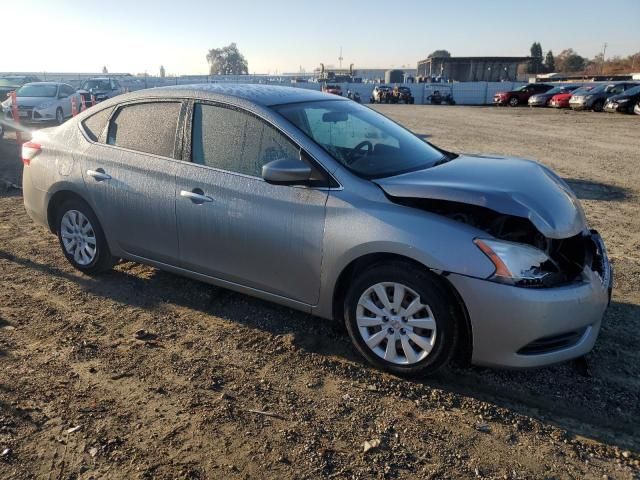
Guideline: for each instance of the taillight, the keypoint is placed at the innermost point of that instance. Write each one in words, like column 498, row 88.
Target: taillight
column 29, row 152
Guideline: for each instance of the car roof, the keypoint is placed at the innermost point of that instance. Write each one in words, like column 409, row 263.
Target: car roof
column 265, row 95
column 45, row 83
column 97, row 78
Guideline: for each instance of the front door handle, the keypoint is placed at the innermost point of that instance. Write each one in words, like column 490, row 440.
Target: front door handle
column 99, row 175
column 197, row 196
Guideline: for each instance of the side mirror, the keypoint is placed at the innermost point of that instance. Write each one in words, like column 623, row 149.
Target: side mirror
column 286, row 172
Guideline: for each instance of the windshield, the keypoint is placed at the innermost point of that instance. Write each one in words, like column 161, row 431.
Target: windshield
column 96, row 84
column 364, row 141
column 563, row 89
column 633, row 91
column 583, row 90
column 37, row 91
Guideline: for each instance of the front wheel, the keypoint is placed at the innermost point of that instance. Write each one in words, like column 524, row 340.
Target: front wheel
column 401, row 319
column 59, row 116
column 598, row 106
column 514, row 101
column 82, row 239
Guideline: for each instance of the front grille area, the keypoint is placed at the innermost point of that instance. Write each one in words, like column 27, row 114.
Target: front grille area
column 553, row 343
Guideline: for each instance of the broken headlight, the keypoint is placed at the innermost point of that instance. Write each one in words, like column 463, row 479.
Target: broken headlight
column 518, row 264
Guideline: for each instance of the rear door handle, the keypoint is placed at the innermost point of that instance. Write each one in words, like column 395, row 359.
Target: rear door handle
column 99, row 175
column 196, row 196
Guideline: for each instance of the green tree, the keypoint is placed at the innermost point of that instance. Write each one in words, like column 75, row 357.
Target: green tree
column 227, row 61
column 535, row 64
column 162, row 72
column 440, row 54
column 550, row 62
column 569, row 61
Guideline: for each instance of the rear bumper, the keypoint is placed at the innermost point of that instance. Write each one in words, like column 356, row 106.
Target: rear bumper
column 520, row 328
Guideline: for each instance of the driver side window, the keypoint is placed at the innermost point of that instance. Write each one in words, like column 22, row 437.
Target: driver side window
column 236, row 141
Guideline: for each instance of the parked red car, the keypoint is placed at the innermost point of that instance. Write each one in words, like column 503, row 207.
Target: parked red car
column 335, row 89
column 561, row 100
column 520, row 96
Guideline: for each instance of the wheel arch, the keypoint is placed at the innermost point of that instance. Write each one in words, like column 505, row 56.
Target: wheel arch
column 56, row 200
column 465, row 342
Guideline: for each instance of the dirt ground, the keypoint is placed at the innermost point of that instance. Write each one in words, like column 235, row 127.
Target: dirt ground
column 227, row 386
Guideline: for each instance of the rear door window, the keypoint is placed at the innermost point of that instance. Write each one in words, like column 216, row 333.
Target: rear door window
column 146, row 127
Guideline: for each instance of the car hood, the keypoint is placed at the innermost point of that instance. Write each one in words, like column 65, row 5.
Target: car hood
column 510, row 186
column 620, row 96
column 34, row 101
column 560, row 96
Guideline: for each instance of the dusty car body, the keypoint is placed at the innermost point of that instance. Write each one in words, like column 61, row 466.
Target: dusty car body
column 421, row 252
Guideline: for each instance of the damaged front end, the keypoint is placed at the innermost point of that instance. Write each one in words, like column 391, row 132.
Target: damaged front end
column 537, row 234
column 521, row 255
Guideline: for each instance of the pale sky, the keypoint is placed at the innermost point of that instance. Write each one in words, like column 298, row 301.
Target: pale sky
column 283, row 35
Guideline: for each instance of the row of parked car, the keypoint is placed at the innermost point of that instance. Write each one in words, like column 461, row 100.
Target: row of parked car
column 622, row 97
column 49, row 102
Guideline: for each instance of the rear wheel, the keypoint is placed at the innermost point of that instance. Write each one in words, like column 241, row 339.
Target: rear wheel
column 400, row 318
column 514, row 101
column 1, row 130
column 82, row 239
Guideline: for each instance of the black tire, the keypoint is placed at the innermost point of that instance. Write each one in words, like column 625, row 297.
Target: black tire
column 432, row 292
column 598, row 106
column 2, row 131
column 102, row 260
column 59, row 116
column 514, row 101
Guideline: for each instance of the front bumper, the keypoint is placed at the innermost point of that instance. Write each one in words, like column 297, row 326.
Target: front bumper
column 500, row 100
column 537, row 102
column 519, row 327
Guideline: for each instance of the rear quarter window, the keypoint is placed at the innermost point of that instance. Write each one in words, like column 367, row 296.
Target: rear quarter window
column 95, row 125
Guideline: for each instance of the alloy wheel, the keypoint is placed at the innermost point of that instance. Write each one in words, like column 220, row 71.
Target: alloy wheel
column 78, row 237
column 395, row 324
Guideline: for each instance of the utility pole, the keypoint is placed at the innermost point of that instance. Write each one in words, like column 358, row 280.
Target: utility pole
column 340, row 58
column 604, row 51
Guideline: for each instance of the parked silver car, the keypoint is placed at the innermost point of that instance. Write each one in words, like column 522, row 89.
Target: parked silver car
column 42, row 102
column 318, row 203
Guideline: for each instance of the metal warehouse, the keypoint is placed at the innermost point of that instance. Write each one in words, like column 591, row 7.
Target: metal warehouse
column 471, row 69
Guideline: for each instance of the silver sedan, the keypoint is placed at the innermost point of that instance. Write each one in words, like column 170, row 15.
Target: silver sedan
column 41, row 103
column 318, row 203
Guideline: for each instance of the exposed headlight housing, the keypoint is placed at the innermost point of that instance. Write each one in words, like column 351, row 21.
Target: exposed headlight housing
column 518, row 264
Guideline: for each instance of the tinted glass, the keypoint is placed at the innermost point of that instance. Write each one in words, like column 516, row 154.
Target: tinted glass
column 146, row 127
column 96, row 123
column 235, row 141
column 37, row 91
column 363, row 140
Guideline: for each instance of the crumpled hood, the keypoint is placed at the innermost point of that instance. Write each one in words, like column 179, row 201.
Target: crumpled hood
column 510, row 186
